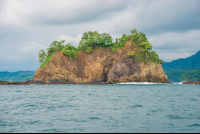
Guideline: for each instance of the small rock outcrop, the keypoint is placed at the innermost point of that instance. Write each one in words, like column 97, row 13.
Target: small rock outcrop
column 100, row 65
column 14, row 83
column 193, row 82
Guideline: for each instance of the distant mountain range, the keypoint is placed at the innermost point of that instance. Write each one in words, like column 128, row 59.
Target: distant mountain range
column 16, row 76
column 183, row 69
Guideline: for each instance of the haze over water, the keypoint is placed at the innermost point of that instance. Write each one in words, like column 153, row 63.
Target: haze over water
column 113, row 108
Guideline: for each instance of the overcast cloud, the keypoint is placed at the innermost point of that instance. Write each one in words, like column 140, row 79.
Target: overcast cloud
column 27, row 26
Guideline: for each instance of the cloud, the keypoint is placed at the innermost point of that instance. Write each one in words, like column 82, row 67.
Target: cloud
column 157, row 17
column 168, row 56
column 151, row 17
column 173, row 40
column 69, row 39
column 5, row 57
column 62, row 12
column 32, row 47
column 11, row 14
column 27, row 26
column 173, row 45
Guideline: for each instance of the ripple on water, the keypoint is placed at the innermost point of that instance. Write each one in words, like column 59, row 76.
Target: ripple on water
column 194, row 125
column 89, row 94
column 94, row 118
column 135, row 106
column 76, row 120
column 175, row 117
column 192, row 99
column 100, row 108
column 8, row 123
column 30, row 105
column 18, row 91
column 55, row 131
column 33, row 122
column 157, row 110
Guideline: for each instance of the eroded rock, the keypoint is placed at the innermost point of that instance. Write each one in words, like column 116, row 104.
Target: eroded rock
column 99, row 66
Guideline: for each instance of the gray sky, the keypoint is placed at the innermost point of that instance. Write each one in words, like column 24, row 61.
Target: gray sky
column 27, row 26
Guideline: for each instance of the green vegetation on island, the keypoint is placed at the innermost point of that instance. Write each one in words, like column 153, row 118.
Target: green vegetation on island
column 93, row 40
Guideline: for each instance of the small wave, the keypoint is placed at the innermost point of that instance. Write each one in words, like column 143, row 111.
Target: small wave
column 54, row 131
column 72, row 106
column 194, row 125
column 18, row 91
column 4, row 124
column 140, row 83
column 177, row 82
column 175, row 117
column 79, row 120
column 136, row 106
column 192, row 99
column 33, row 122
column 29, row 105
column 89, row 94
column 92, row 118
column 157, row 110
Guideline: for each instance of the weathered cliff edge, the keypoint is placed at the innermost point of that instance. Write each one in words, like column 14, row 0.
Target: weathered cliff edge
column 100, row 65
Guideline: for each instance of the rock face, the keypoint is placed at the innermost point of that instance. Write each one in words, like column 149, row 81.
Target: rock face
column 152, row 74
column 99, row 66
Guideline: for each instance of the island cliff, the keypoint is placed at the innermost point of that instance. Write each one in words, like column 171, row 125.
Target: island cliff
column 100, row 65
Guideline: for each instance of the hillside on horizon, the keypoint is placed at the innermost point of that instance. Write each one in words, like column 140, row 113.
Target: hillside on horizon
column 192, row 62
column 183, row 69
column 16, row 76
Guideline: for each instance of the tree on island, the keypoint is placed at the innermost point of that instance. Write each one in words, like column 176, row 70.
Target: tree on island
column 91, row 40
column 42, row 56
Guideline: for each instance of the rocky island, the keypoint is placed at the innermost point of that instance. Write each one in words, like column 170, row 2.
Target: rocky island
column 100, row 60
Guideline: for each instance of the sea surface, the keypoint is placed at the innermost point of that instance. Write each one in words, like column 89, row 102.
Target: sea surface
column 117, row 108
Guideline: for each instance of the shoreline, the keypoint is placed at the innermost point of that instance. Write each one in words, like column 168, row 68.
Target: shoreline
column 45, row 83
column 88, row 83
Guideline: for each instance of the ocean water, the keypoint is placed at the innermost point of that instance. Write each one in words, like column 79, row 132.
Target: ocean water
column 117, row 108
